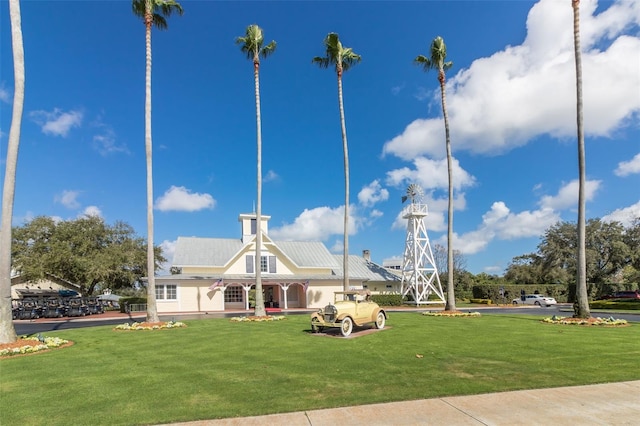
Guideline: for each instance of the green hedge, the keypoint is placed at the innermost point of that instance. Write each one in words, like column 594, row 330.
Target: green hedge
column 492, row 291
column 481, row 301
column 127, row 301
column 387, row 299
column 626, row 304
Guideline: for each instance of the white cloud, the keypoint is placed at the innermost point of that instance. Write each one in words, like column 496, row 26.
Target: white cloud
column 317, row 224
column 626, row 168
column 105, row 142
column 431, row 174
column 56, row 122
column 68, row 198
column 375, row 213
column 508, row 99
column 270, row 176
column 337, row 247
column 395, row 90
column 568, row 195
column 437, row 211
column 625, row 215
column 501, row 223
column 179, row 198
column 4, row 95
column 168, row 251
column 91, row 211
column 372, row 194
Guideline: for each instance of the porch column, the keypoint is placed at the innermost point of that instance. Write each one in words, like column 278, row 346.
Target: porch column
column 246, row 288
column 285, row 287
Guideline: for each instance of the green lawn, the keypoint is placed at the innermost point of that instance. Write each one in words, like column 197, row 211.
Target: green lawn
column 215, row 368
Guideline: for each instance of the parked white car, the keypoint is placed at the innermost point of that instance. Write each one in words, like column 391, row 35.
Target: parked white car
column 535, row 299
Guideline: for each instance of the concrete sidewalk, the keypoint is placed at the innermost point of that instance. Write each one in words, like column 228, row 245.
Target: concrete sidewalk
column 605, row 404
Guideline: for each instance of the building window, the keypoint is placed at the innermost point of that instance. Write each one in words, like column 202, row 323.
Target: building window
column 234, row 294
column 171, row 292
column 166, row 292
column 267, row 264
column 254, row 226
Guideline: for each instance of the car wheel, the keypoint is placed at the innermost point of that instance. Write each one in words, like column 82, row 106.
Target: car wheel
column 346, row 326
column 380, row 320
column 514, row 302
column 537, row 303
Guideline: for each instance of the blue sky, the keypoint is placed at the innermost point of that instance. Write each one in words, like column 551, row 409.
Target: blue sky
column 510, row 97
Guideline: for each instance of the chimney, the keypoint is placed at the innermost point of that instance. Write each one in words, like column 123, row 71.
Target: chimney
column 367, row 255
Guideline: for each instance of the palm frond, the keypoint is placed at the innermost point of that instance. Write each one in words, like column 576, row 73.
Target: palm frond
column 343, row 57
column 268, row 49
column 252, row 43
column 323, row 62
column 159, row 22
column 138, row 8
column 436, row 60
column 167, row 7
column 159, row 9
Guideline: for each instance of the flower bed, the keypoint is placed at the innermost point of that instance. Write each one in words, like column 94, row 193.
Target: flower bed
column 611, row 322
column 29, row 345
column 258, row 319
column 451, row 314
column 150, row 325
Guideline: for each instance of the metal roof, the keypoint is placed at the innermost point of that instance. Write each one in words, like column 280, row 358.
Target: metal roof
column 194, row 251
column 307, row 253
column 216, row 252
column 363, row 268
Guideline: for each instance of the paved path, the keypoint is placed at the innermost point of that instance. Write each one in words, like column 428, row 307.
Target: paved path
column 614, row 404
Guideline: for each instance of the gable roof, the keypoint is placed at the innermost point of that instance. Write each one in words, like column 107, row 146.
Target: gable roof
column 307, row 253
column 195, row 251
column 216, row 252
column 366, row 269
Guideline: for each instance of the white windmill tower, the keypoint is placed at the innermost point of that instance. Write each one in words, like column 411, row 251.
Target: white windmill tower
column 419, row 272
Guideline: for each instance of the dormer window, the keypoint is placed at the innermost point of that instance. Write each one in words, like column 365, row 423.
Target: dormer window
column 267, row 264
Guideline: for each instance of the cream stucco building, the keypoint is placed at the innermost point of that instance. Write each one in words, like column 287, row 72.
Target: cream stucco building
column 217, row 274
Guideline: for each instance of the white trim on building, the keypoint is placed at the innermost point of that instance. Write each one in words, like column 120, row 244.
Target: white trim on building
column 217, row 274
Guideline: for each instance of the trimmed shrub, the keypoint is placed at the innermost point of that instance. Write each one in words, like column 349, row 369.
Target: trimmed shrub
column 626, row 304
column 128, row 301
column 512, row 291
column 387, row 299
column 481, row 301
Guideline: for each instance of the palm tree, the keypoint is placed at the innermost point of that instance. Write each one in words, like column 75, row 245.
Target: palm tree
column 153, row 13
column 7, row 330
column 437, row 61
column 253, row 46
column 582, row 300
column 343, row 58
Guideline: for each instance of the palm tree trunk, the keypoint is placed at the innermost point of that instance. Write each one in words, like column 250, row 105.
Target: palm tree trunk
column 451, row 298
column 345, row 148
column 259, row 309
column 152, row 309
column 7, row 330
column 582, row 299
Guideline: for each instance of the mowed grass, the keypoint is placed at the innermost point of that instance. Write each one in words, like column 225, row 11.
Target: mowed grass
column 215, row 368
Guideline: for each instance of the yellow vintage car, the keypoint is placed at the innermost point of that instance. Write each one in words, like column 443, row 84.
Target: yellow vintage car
column 349, row 308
